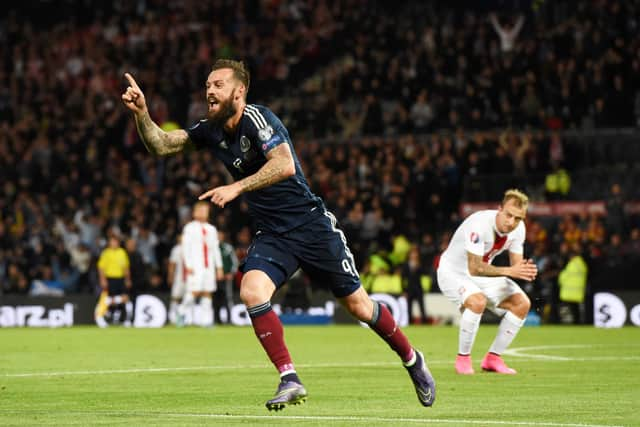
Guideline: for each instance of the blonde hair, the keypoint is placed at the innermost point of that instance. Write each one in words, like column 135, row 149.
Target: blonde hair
column 204, row 203
column 520, row 199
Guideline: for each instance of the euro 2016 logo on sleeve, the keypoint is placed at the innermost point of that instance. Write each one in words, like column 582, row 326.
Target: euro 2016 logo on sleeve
column 474, row 237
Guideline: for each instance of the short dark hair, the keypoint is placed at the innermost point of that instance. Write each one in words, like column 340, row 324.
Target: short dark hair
column 240, row 71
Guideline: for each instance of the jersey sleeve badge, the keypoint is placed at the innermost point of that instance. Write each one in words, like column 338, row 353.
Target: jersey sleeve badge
column 265, row 133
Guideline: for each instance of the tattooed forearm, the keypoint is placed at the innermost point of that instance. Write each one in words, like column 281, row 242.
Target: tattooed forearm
column 271, row 173
column 279, row 167
column 477, row 267
column 158, row 141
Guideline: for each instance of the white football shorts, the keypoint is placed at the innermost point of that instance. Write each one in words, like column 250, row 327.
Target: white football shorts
column 457, row 287
column 202, row 280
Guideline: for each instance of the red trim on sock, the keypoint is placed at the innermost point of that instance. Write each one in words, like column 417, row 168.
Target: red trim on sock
column 389, row 331
column 270, row 333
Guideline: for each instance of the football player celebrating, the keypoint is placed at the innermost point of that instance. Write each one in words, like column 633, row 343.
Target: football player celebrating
column 294, row 227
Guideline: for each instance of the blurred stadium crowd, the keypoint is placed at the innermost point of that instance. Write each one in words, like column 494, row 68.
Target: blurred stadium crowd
column 398, row 115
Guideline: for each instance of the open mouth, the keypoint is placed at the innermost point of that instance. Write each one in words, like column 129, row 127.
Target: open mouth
column 212, row 102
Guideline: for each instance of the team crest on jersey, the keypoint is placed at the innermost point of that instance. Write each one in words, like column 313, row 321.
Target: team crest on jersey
column 245, row 144
column 265, row 133
column 474, row 237
column 223, row 145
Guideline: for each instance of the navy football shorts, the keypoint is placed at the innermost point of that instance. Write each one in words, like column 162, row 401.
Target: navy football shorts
column 318, row 247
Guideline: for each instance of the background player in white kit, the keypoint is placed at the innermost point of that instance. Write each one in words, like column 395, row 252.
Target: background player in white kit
column 466, row 277
column 202, row 264
column 176, row 279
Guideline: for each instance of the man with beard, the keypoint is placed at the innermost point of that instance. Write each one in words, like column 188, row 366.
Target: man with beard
column 294, row 228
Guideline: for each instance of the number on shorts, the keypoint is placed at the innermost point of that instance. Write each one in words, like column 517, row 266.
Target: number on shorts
column 348, row 267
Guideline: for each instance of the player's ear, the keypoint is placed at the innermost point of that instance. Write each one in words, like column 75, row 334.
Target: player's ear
column 241, row 92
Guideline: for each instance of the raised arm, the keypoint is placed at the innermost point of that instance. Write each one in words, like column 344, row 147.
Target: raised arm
column 518, row 26
column 279, row 166
column 496, row 25
column 156, row 140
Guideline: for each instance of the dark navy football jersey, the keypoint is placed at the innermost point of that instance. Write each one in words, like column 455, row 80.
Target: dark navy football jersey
column 277, row 208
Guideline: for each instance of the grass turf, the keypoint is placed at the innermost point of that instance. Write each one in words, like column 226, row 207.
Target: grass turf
column 571, row 376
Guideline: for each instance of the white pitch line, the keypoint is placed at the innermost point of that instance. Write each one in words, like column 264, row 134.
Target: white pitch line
column 523, row 352
column 545, row 358
column 515, row 352
column 387, row 420
column 124, row 371
column 207, row 368
column 329, row 418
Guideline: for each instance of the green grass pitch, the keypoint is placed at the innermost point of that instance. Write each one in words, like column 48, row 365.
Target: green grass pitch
column 568, row 377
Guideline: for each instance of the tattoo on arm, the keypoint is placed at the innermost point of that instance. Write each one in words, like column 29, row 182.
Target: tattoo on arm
column 279, row 166
column 477, row 267
column 158, row 141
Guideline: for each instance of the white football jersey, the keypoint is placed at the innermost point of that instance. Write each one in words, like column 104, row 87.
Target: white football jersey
column 200, row 246
column 477, row 234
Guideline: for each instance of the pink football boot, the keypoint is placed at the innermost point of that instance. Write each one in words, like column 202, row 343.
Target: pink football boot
column 463, row 365
column 494, row 363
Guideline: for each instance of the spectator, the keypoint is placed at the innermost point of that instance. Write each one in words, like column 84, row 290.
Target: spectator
column 421, row 113
column 557, row 183
column 414, row 275
column 616, row 219
column 560, row 73
column 508, row 34
column 572, row 282
column 137, row 268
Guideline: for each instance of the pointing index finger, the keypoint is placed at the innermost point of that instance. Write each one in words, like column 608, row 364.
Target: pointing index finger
column 205, row 195
column 131, row 81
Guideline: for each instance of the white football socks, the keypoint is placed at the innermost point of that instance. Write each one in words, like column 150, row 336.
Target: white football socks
column 507, row 331
column 412, row 361
column 173, row 311
column 101, row 322
column 469, row 324
column 206, row 311
column 186, row 307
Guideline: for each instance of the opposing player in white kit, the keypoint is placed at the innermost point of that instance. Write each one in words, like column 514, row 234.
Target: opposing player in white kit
column 466, row 277
column 202, row 264
column 176, row 279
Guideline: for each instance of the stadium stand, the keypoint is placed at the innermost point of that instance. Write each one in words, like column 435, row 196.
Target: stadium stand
column 396, row 124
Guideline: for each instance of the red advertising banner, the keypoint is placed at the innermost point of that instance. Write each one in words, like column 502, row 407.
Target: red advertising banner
column 553, row 208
